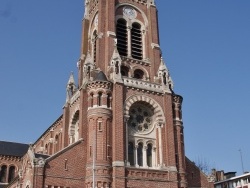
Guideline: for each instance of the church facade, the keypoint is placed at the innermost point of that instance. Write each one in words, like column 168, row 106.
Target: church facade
column 121, row 125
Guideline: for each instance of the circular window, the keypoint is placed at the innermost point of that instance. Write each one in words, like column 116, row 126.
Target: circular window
column 140, row 118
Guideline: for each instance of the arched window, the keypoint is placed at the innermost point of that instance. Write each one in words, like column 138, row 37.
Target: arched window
column 56, row 144
column 139, row 154
column 3, row 174
column 94, row 40
column 74, row 128
column 136, row 41
column 138, row 74
column 50, row 148
column 122, row 37
column 11, row 173
column 91, row 99
column 46, row 149
column 124, row 71
column 99, row 99
column 149, row 155
column 131, row 153
column 109, row 101
column 142, row 132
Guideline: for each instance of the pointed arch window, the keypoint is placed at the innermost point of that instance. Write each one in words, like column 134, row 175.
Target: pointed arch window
column 94, row 45
column 136, row 41
column 11, row 173
column 122, row 37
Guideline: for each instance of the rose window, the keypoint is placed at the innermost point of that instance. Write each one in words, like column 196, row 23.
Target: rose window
column 140, row 119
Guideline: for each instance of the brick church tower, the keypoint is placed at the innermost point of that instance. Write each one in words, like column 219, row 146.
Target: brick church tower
column 130, row 116
column 121, row 125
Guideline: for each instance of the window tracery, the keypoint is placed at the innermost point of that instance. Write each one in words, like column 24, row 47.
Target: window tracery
column 140, row 119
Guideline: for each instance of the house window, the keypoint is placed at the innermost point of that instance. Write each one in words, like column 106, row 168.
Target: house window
column 122, row 37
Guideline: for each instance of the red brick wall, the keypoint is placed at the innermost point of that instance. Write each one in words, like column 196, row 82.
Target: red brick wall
column 67, row 169
column 195, row 177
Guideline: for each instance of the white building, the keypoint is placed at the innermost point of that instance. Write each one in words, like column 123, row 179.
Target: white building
column 242, row 181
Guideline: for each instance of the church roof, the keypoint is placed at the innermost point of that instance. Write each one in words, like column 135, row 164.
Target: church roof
column 39, row 155
column 13, row 149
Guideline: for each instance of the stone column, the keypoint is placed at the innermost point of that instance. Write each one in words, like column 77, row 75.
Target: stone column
column 159, row 127
column 135, row 156
column 144, row 157
column 129, row 41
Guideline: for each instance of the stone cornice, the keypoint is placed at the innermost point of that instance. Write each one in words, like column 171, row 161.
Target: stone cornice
column 144, row 85
column 10, row 158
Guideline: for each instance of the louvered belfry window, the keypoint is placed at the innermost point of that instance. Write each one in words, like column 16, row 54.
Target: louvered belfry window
column 136, row 41
column 122, row 37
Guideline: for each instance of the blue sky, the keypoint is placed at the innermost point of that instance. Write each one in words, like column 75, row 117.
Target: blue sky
column 205, row 44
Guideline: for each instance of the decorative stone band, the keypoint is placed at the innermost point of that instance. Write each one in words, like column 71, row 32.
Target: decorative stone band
column 10, row 158
column 99, row 84
column 144, row 85
column 160, row 118
column 144, row 2
column 136, row 61
column 118, row 164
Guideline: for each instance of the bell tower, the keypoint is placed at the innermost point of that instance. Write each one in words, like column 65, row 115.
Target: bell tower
column 129, row 115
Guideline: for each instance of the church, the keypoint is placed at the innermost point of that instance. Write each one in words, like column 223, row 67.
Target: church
column 121, row 125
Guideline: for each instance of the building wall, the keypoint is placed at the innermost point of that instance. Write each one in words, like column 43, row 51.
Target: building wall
column 67, row 168
column 9, row 167
column 195, row 177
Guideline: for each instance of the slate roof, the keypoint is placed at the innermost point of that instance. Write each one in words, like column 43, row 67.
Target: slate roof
column 13, row 149
column 38, row 155
column 100, row 77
